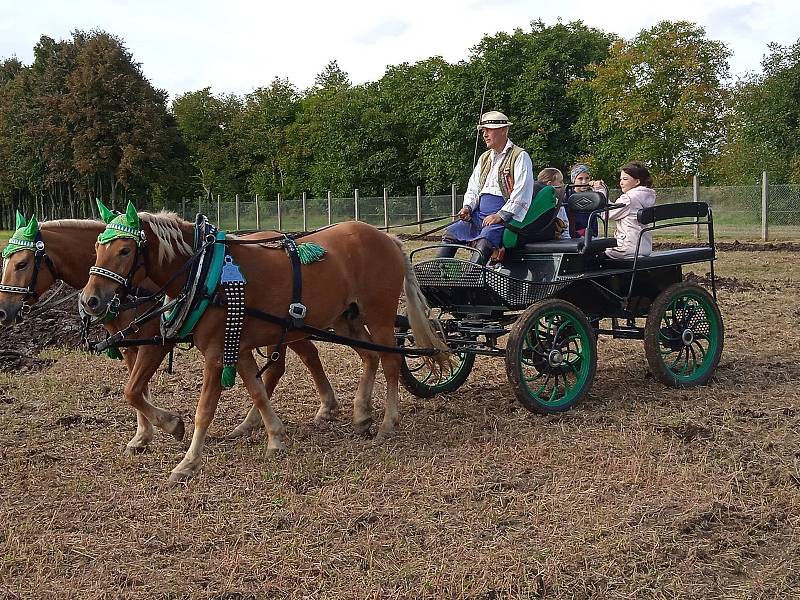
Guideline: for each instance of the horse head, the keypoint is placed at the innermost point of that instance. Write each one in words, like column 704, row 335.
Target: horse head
column 120, row 255
column 23, row 279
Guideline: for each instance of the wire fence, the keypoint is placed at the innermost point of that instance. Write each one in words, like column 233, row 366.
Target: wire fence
column 740, row 212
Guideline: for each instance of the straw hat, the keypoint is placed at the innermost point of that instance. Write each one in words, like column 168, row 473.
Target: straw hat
column 493, row 120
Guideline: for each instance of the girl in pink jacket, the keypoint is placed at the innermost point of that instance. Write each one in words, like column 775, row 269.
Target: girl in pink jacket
column 635, row 183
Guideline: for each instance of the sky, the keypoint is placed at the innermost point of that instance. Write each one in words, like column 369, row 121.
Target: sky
column 235, row 46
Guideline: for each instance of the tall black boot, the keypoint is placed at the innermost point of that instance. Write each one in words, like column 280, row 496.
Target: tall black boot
column 484, row 251
column 445, row 252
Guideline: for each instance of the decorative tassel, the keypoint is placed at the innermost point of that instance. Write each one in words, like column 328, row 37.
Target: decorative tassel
column 310, row 252
column 114, row 353
column 228, row 377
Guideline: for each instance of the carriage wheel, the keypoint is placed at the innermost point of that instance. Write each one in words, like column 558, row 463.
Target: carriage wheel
column 684, row 335
column 551, row 356
column 419, row 379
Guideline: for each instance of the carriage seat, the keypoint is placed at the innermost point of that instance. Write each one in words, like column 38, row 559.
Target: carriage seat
column 664, row 258
column 569, row 246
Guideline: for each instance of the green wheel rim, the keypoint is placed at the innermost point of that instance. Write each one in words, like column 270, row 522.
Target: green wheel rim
column 432, row 380
column 556, row 358
column 688, row 337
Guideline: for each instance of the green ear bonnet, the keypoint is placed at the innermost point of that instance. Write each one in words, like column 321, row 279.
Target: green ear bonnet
column 24, row 238
column 125, row 225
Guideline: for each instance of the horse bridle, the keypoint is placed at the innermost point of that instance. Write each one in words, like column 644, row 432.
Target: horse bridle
column 127, row 281
column 39, row 255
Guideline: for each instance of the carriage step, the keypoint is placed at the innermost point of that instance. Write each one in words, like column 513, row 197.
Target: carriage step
column 491, row 330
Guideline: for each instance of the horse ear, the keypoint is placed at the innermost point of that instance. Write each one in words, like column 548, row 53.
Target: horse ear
column 132, row 216
column 105, row 214
column 32, row 228
column 20, row 220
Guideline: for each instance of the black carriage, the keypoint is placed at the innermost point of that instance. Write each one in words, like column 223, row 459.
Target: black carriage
column 550, row 300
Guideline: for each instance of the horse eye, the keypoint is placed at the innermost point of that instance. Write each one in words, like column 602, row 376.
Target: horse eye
column 125, row 252
column 21, row 265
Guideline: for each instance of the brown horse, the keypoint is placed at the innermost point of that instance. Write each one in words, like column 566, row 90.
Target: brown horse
column 355, row 290
column 70, row 246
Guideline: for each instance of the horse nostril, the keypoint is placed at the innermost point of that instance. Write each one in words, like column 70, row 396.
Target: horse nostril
column 92, row 302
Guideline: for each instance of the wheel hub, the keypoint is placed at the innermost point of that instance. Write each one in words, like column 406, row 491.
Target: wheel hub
column 687, row 337
column 555, row 358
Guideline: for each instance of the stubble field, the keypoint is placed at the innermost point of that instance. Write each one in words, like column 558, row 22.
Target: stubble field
column 640, row 492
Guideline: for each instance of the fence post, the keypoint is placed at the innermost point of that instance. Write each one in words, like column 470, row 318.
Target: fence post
column 453, row 200
column 764, row 214
column 305, row 220
column 219, row 225
column 280, row 225
column 237, row 212
column 695, row 198
column 329, row 207
column 355, row 203
column 199, row 205
column 258, row 216
column 419, row 208
column 386, row 208
column 183, row 208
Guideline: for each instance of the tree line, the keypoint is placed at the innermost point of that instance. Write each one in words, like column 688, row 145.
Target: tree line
column 83, row 121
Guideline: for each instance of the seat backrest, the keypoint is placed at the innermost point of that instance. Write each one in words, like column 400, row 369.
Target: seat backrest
column 539, row 222
column 678, row 210
column 585, row 202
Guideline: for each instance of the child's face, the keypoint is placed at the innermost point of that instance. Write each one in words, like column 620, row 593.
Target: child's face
column 582, row 179
column 627, row 182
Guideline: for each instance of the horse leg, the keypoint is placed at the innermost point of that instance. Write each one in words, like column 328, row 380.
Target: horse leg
column 137, row 394
column 248, row 370
column 391, row 372
column 253, row 419
column 204, row 414
column 362, row 404
column 144, row 428
column 328, row 403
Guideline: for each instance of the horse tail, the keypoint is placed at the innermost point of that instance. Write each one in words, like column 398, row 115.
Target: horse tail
column 425, row 335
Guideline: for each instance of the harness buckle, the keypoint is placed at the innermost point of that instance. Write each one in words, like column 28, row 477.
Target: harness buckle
column 297, row 310
column 39, row 245
column 274, row 356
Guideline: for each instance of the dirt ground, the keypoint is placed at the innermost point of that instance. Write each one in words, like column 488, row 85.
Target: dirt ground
column 640, row 492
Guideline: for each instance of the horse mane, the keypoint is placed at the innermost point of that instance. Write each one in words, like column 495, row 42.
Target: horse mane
column 167, row 227
column 75, row 223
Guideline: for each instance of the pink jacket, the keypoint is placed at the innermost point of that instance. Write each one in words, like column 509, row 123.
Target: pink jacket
column 628, row 226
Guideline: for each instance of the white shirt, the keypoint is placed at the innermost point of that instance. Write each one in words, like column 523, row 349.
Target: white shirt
column 519, row 201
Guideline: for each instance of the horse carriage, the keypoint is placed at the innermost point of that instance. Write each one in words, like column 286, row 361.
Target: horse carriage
column 550, row 300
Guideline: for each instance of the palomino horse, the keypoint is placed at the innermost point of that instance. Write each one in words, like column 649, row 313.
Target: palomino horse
column 355, row 290
column 69, row 244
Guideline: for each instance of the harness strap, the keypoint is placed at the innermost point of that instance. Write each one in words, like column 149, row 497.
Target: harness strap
column 100, row 271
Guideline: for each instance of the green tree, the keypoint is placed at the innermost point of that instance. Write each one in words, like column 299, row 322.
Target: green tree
column 763, row 122
column 659, row 98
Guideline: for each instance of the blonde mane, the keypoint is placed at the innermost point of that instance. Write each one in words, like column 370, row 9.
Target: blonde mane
column 166, row 226
column 73, row 223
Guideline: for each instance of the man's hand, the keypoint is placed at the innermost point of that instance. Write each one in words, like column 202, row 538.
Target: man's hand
column 492, row 219
column 598, row 184
column 465, row 214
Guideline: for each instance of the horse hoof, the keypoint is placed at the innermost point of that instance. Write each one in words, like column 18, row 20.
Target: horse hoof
column 275, row 446
column 134, row 450
column 177, row 478
column 363, row 427
column 179, row 431
column 321, row 419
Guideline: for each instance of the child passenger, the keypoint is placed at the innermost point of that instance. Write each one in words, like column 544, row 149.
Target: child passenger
column 554, row 177
column 635, row 183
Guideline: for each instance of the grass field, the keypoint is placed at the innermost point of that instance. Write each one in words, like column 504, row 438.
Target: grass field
column 640, row 492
